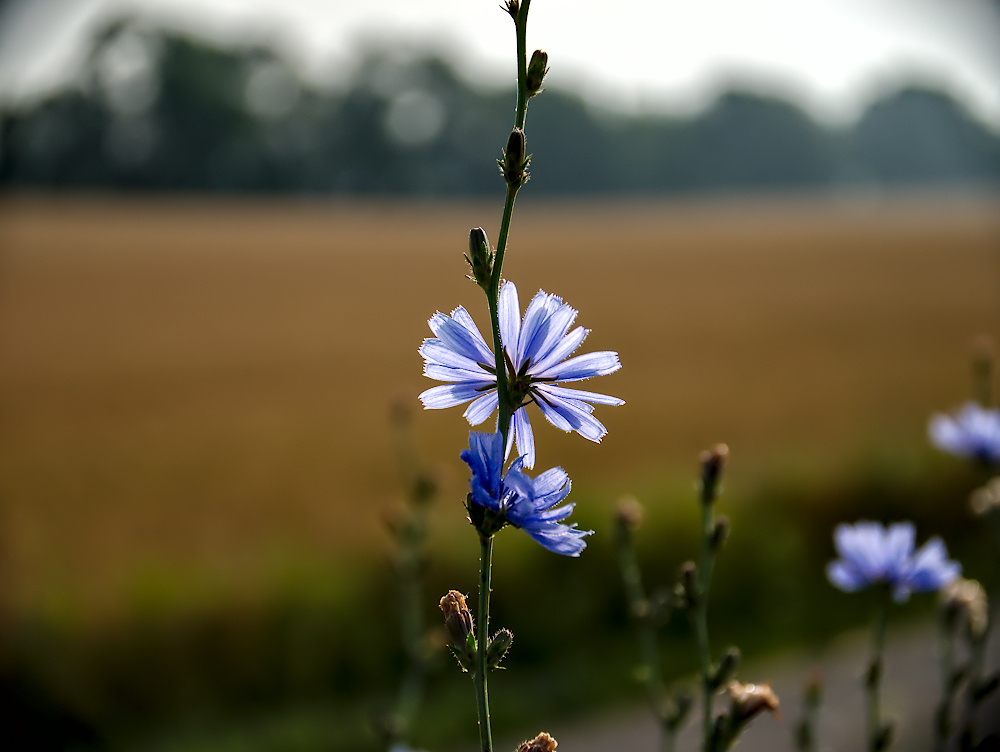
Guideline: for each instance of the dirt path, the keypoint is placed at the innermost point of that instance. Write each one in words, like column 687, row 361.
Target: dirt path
column 910, row 693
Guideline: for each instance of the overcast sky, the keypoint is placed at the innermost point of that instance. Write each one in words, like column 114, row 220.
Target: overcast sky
column 832, row 56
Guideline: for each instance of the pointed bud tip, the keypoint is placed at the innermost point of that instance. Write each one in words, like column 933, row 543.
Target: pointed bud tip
column 538, row 66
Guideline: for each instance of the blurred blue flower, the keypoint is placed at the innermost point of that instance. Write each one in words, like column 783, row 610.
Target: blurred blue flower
column 530, row 504
column 536, row 355
column 972, row 432
column 871, row 554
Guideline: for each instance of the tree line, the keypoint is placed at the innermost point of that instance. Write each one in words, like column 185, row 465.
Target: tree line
column 155, row 110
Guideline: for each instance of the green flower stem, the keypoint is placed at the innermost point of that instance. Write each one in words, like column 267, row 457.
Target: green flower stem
column 482, row 642
column 974, row 673
column 701, row 618
column 503, row 395
column 521, row 24
column 493, row 295
column 649, row 651
column 414, row 629
column 942, row 720
column 873, row 680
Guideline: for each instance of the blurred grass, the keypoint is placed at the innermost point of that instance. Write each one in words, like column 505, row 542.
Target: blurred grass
column 195, row 453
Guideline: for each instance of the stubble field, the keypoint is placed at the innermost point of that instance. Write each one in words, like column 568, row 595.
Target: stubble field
column 204, row 386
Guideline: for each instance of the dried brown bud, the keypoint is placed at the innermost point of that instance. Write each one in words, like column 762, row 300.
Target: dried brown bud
column 750, row 699
column 541, row 743
column 965, row 600
column 457, row 617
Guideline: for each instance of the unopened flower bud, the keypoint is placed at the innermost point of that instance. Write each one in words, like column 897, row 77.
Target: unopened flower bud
column 750, row 699
column 538, row 66
column 513, row 7
column 480, row 258
column 541, row 743
column 686, row 590
column 514, row 163
column 498, row 647
column 712, row 463
column 458, row 622
column 719, row 533
column 628, row 518
column 726, row 668
column 965, row 600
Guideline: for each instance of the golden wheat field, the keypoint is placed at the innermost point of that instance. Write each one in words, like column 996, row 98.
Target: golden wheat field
column 205, row 384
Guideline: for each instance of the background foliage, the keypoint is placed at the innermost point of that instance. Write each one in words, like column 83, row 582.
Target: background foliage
column 164, row 112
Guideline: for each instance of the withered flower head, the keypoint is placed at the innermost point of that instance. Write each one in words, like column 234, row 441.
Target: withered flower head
column 750, row 699
column 966, row 599
column 457, row 617
column 986, row 499
column 541, row 743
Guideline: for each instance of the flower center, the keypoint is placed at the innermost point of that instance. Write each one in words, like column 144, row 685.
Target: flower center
column 520, row 386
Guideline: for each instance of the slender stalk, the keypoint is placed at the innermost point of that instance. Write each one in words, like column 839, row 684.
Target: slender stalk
column 805, row 732
column 701, row 619
column 482, row 640
column 873, row 680
column 493, row 295
column 522, row 65
column 974, row 672
column 667, row 739
column 411, row 599
column 648, row 648
column 410, row 533
column 503, row 396
column 942, row 719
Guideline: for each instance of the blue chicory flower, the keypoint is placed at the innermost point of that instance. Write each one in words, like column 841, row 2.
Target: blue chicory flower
column 972, row 431
column 530, row 504
column 536, row 353
column 871, row 554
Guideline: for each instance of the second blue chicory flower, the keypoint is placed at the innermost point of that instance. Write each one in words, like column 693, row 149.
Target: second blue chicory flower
column 531, row 504
column 972, row 431
column 871, row 554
